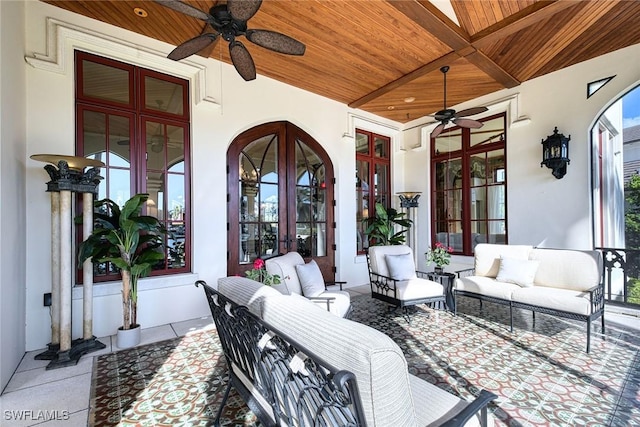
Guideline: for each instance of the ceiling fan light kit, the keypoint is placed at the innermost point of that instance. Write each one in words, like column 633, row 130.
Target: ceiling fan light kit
column 447, row 115
column 229, row 20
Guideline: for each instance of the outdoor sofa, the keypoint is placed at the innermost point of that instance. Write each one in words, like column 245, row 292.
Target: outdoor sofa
column 388, row 395
column 559, row 282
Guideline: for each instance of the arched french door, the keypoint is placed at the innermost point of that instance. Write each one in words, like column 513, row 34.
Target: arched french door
column 280, row 184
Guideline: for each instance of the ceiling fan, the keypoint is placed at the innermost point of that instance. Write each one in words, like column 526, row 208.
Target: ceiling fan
column 155, row 143
column 229, row 20
column 447, row 115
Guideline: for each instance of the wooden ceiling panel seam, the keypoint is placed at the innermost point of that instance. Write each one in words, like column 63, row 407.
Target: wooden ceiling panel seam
column 362, row 48
column 578, row 23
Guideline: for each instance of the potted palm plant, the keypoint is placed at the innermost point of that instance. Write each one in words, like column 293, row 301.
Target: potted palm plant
column 382, row 227
column 133, row 243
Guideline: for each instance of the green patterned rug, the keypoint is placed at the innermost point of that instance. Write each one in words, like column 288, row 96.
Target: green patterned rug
column 542, row 375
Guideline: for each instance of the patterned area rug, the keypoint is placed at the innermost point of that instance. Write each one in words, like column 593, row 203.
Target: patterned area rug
column 542, row 375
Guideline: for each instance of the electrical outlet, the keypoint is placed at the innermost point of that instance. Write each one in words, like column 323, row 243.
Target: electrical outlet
column 47, row 299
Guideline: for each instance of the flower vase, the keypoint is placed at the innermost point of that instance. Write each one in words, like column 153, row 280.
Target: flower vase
column 438, row 269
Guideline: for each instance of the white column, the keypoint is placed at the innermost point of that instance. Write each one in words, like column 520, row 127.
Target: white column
column 87, row 268
column 55, row 268
column 65, row 270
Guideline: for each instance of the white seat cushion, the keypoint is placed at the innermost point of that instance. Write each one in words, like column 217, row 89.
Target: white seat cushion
column 486, row 286
column 434, row 405
column 415, row 289
column 340, row 305
column 554, row 298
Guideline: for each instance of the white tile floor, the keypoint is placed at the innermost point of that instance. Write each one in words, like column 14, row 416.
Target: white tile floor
column 60, row 397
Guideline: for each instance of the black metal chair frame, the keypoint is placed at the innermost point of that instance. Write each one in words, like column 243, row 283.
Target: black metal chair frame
column 288, row 385
column 596, row 298
column 381, row 285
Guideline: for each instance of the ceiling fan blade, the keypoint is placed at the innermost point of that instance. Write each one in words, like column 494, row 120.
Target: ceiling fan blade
column 438, row 130
column 276, row 41
column 243, row 10
column 471, row 111
column 192, row 46
column 184, row 8
column 468, row 123
column 242, row 60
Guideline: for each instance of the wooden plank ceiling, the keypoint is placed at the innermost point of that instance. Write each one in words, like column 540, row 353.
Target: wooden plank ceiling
column 377, row 55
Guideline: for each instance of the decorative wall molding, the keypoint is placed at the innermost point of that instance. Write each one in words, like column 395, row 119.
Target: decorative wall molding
column 63, row 38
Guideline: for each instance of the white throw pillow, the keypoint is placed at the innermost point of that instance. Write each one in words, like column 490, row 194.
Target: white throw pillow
column 518, row 271
column 311, row 280
column 401, row 267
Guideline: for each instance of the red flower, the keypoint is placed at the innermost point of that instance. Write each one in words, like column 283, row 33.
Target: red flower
column 258, row 264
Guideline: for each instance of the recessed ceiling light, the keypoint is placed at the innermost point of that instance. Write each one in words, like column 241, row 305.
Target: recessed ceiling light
column 409, row 99
column 391, row 107
column 140, row 12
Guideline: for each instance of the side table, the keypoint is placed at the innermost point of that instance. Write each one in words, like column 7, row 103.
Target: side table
column 446, row 280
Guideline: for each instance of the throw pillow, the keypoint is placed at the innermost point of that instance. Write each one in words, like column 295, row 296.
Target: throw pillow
column 311, row 280
column 517, row 271
column 401, row 267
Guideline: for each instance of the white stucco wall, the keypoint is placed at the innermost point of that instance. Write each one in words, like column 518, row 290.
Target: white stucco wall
column 542, row 210
column 12, row 186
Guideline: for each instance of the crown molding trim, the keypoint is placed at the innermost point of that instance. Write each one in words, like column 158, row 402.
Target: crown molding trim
column 62, row 38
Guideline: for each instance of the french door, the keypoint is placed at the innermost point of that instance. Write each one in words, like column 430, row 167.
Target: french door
column 280, row 198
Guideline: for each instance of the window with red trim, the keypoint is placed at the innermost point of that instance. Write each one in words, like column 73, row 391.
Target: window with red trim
column 373, row 179
column 468, row 186
column 136, row 121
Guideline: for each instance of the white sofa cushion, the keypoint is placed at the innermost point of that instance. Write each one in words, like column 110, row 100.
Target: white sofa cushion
column 554, row 298
column 434, row 405
column 247, row 292
column 487, row 257
column 487, row 286
column 401, row 267
column 311, row 280
column 285, row 267
column 377, row 258
column 416, row 288
column 568, row 269
column 377, row 362
column 518, row 271
column 339, row 306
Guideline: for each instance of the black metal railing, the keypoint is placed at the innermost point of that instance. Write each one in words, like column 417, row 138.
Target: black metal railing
column 621, row 276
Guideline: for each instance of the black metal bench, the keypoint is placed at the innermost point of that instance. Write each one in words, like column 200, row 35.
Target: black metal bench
column 281, row 382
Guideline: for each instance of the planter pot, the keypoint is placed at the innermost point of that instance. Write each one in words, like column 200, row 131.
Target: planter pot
column 438, row 270
column 128, row 338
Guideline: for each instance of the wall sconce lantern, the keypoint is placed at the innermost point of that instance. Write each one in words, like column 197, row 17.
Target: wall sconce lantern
column 555, row 153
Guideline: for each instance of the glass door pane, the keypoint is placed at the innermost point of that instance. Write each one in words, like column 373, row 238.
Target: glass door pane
column 259, row 199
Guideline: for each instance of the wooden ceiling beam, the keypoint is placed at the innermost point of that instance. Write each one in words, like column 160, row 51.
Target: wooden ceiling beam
column 519, row 21
column 429, row 17
column 562, row 37
column 407, row 78
column 425, row 14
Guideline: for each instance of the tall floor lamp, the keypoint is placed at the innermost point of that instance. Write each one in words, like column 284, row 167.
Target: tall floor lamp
column 408, row 201
column 68, row 178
